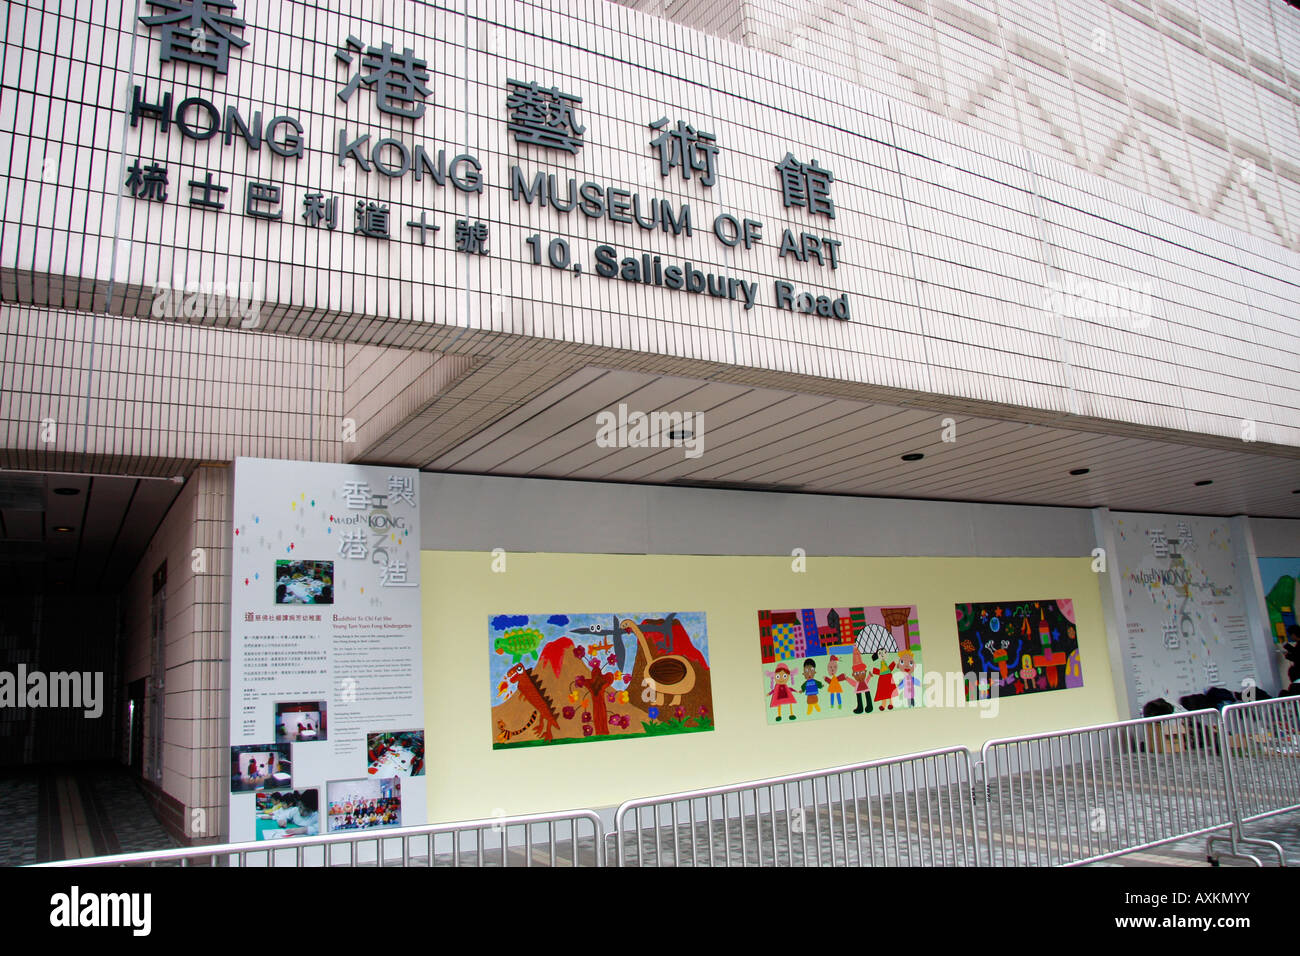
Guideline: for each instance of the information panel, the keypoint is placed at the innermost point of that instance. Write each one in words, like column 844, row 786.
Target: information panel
column 1187, row 626
column 326, row 699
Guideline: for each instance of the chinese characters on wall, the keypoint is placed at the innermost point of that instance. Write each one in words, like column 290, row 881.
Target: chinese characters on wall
column 396, row 83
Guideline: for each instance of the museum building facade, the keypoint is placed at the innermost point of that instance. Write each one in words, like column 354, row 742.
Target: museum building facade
column 709, row 310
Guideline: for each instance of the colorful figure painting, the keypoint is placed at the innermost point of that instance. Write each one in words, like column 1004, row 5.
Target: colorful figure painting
column 577, row 678
column 826, row 662
column 1019, row 647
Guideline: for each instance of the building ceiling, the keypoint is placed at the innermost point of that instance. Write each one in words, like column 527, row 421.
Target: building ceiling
column 109, row 522
column 770, row 439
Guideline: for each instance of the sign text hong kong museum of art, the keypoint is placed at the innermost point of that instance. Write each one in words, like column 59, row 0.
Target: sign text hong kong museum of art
column 208, row 32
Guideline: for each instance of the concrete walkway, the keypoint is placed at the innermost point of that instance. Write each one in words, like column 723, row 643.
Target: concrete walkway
column 1283, row 829
column 66, row 813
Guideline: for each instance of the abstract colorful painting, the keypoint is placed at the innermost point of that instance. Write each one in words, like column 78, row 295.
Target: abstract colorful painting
column 577, row 678
column 1019, row 647
column 826, row 662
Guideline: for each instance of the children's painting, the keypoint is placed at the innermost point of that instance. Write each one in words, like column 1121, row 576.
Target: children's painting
column 577, row 678
column 825, row 662
column 1281, row 578
column 1018, row 647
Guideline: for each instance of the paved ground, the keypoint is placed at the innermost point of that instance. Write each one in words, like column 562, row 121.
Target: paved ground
column 881, row 835
column 91, row 811
column 1043, row 819
column 1061, row 814
column 1283, row 829
column 874, row 837
column 1042, row 810
column 19, row 796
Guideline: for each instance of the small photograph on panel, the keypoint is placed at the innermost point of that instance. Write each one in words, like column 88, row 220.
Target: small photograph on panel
column 366, row 804
column 281, row 814
column 300, row 722
column 304, row 582
column 260, row 767
column 396, row 753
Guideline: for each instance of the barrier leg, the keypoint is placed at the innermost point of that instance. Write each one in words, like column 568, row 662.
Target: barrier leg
column 1235, row 850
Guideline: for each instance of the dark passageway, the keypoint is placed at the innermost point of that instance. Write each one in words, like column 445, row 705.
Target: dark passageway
column 77, row 775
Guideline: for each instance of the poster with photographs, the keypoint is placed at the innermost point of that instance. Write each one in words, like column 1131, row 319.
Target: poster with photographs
column 396, row 753
column 327, row 704
column 260, row 766
column 287, row 813
column 367, row 804
column 301, row 721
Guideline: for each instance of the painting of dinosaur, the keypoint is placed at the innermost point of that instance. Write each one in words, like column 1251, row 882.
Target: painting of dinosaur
column 519, row 643
column 525, row 682
column 598, row 676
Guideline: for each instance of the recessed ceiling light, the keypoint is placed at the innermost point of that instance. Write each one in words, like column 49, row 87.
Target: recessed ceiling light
column 67, row 491
column 1080, row 471
column 913, row 456
column 62, row 527
column 1204, row 482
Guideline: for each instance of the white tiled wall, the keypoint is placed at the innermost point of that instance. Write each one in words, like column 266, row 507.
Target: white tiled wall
column 153, row 396
column 983, row 157
column 195, row 733
column 1192, row 102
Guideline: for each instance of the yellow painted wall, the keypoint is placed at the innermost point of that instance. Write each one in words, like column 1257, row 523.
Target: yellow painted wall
column 468, row 779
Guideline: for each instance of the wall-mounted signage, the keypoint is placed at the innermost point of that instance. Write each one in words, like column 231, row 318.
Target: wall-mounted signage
column 536, row 116
column 326, row 673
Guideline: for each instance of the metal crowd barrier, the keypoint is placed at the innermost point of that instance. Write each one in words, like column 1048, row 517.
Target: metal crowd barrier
column 1261, row 744
column 913, row 810
column 1057, row 798
column 1087, row 794
column 572, row 838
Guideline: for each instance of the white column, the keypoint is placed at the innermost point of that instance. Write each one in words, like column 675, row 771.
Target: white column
column 1262, row 645
column 1112, row 603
